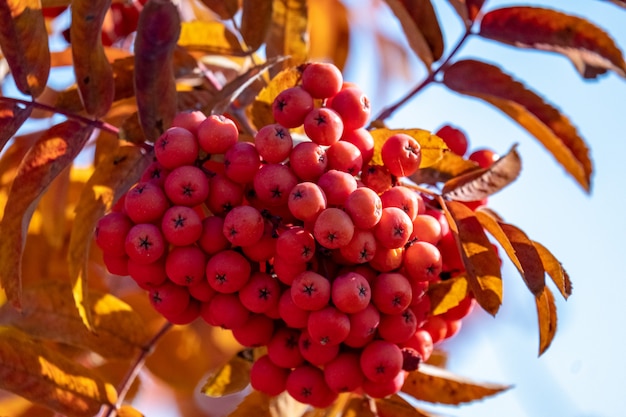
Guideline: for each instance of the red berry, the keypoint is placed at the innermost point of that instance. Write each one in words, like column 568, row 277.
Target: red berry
column 243, row 226
column 401, row 155
column 329, row 326
column 212, row 239
column 394, row 228
column 111, row 231
column 216, row 134
column 283, row 348
column 181, row 225
column 306, row 201
column 169, row 298
column 422, row 261
column 186, row 186
column 241, row 162
column 343, row 373
column 145, row 202
column 144, row 243
column 228, row 271
column 308, row 161
column 321, row 80
column 296, row 245
column 273, row 183
column 353, row 106
column 381, row 361
column 454, row 138
column 226, row 311
column 391, row 293
column 337, row 186
column 314, row 352
column 274, row 143
column 484, row 157
column 185, row 265
column 364, row 207
column 310, row 291
column 256, row 331
column 333, row 228
column 323, row 126
column 261, row 293
column 350, row 292
column 176, row 147
column 291, row 106
column 267, row 377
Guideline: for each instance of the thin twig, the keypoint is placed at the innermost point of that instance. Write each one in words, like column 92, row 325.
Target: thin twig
column 389, row 110
column 98, row 124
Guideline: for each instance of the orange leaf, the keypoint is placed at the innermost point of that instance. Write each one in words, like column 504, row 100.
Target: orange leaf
column 544, row 122
column 94, row 74
column 256, row 17
column 449, row 166
column 467, row 9
column 482, row 183
column 48, row 313
column 425, row 17
column 396, row 406
column 255, row 403
column 210, row 37
column 591, row 49
column 155, row 86
column 432, row 146
column 555, row 270
column 546, row 314
column 446, row 294
column 46, row 377
column 481, row 261
column 24, row 43
column 532, row 267
column 414, row 35
column 436, row 385
column 128, row 411
column 287, row 34
column 225, row 9
column 329, row 31
column 112, row 177
column 12, row 117
column 52, row 153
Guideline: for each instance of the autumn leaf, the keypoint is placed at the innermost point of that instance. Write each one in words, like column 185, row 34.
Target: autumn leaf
column 261, row 109
column 12, row 117
column 46, row 377
column 482, row 183
column 256, row 17
column 436, row 385
column 546, row 315
column 449, row 166
column 158, row 30
column 94, row 74
column 540, row 119
column 447, row 294
column 329, row 32
column 396, row 406
column 467, row 10
column 432, row 146
column 225, row 9
column 423, row 14
column 481, row 261
column 49, row 313
column 112, row 177
column 128, row 411
column 209, row 37
column 287, row 35
column 52, row 153
column 233, row 377
column 414, row 35
column 24, row 43
column 255, row 403
column 590, row 48
column 555, row 270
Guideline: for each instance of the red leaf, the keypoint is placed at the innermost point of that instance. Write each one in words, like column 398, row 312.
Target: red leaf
column 591, row 49
column 543, row 121
column 256, row 17
column 12, row 116
column 54, row 152
column 155, row 85
column 424, row 16
column 467, row 9
column 24, row 43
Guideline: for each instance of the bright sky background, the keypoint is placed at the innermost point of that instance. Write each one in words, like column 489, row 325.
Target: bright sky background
column 583, row 373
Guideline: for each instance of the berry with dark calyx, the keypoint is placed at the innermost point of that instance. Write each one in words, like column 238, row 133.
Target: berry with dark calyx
column 321, row 80
column 169, row 298
column 228, row 271
column 422, row 261
column 306, row 201
column 186, row 186
column 381, row 361
column 350, row 292
column 361, row 248
column 397, row 328
column 306, row 384
column 394, row 228
column 145, row 203
column 403, row 198
column 363, row 326
column 274, row 143
column 110, row 233
column 176, row 147
column 314, row 352
column 273, row 183
column 224, row 194
column 310, row 291
column 391, row 293
column 243, row 226
column 308, row 161
column 261, row 293
column 255, row 332
column 329, row 326
column 323, row 126
column 283, row 348
column 186, row 316
column 454, row 138
column 144, row 243
column 384, row 389
column 344, row 156
column 267, row 377
column 156, row 173
column 216, row 134
column 241, row 162
column 291, row 106
column 401, row 155
column 181, row 225
column 296, row 245
column 185, row 265
column 333, row 228
column 353, row 106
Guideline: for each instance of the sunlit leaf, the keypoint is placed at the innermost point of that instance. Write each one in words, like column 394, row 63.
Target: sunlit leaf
column 432, row 146
column 438, row 358
column 481, row 261
column 555, row 270
column 111, row 179
column 261, row 110
column 12, row 117
column 540, row 119
column 449, row 166
column 52, row 153
column 590, row 48
column 24, row 43
column 329, row 32
column 480, row 184
column 534, row 274
column 128, row 411
column 436, row 385
column 467, row 9
column 255, row 404
column 396, row 406
column 46, row 377
column 414, row 35
column 49, row 313
column 287, row 35
column 231, row 378
column 210, row 37
column 447, row 294
column 52, row 209
column 225, row 9
column 256, row 17
column 94, row 74
column 13, row 155
column 158, row 30
column 546, row 315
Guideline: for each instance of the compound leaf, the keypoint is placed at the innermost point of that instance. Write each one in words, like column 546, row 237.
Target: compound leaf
column 540, row 119
column 591, row 49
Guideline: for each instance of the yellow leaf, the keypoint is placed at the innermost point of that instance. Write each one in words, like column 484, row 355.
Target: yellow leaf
column 437, row 385
column 358, row 406
column 52, row 153
column 447, row 294
column 546, row 315
column 211, row 37
column 432, row 146
column 128, row 411
column 329, row 30
column 396, row 406
column 255, row 404
column 111, row 179
column 481, row 261
column 287, row 34
column 46, row 377
column 233, row 377
column 49, row 313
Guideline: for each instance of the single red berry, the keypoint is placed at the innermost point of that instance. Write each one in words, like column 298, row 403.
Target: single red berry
column 455, row 138
column 185, row 265
column 169, row 298
column 314, row 352
column 241, row 162
column 228, row 271
column 274, row 143
column 261, row 293
column 391, row 293
column 353, row 107
column 484, row 157
column 181, row 225
column 350, row 292
column 176, row 147
column 329, row 326
column 308, row 161
column 381, row 361
column 343, row 373
column 323, row 126
column 291, row 106
column 216, row 134
column 267, row 377
column 243, row 226
column 283, row 348
column 310, row 291
column 110, row 233
column 321, row 80
column 186, row 186
column 401, row 154
column 144, row 243
column 145, row 202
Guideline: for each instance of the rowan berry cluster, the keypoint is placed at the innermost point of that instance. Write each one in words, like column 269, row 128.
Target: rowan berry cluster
column 306, row 247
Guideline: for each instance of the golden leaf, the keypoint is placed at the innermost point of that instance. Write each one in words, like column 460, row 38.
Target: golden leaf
column 396, row 406
column 233, row 377
column 447, row 294
column 210, row 37
column 46, row 377
column 287, row 35
column 555, row 270
column 329, row 31
column 449, row 166
column 128, row 411
column 255, row 404
column 436, row 385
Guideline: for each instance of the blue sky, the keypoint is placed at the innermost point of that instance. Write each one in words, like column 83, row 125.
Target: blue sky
column 584, row 371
